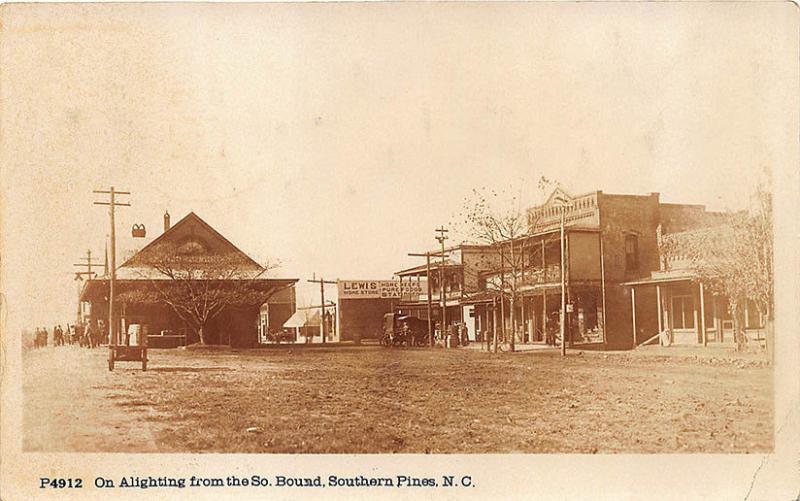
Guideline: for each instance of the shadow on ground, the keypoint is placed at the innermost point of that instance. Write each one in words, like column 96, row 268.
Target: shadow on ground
column 189, row 369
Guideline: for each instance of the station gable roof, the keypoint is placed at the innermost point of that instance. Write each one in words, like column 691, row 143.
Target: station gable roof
column 190, row 235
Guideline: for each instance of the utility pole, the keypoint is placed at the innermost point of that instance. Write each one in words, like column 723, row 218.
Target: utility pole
column 88, row 265
column 564, row 204
column 112, row 204
column 427, row 256
column 89, row 275
column 441, row 237
column 322, row 283
column 563, row 291
column 502, row 293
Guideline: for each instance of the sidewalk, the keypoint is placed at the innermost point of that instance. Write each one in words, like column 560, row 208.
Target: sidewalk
column 519, row 347
column 712, row 355
column 720, row 356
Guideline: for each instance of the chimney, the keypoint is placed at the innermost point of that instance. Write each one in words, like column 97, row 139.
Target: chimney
column 166, row 221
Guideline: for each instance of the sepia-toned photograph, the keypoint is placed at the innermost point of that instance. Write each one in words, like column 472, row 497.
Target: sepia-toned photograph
column 416, row 228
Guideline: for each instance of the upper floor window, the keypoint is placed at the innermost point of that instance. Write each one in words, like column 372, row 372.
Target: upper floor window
column 631, row 253
column 435, row 280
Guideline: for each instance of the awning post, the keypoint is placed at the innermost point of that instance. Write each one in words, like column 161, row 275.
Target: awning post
column 633, row 313
column 703, row 315
column 660, row 312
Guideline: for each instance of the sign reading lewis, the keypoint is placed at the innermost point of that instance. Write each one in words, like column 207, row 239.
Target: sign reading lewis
column 371, row 289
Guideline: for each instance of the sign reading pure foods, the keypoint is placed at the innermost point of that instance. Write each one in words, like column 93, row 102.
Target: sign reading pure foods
column 372, row 289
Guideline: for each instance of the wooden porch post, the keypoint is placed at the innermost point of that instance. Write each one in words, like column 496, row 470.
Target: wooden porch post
column 494, row 324
column 123, row 323
column 486, row 329
column 703, row 315
column 667, row 312
column 603, row 289
column 660, row 314
column 544, row 315
column 633, row 313
column 544, row 294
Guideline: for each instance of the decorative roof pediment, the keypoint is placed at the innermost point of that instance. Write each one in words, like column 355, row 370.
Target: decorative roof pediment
column 558, row 197
column 190, row 237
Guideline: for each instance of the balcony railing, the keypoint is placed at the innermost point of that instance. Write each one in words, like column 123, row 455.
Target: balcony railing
column 549, row 274
column 456, row 294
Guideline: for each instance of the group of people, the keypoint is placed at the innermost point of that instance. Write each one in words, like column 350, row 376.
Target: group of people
column 456, row 332
column 85, row 335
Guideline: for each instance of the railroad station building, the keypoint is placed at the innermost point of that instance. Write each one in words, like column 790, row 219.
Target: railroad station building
column 144, row 289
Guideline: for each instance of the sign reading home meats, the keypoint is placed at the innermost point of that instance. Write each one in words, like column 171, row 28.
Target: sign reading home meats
column 384, row 289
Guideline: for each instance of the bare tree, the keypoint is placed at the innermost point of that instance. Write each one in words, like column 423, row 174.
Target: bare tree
column 199, row 285
column 499, row 221
column 734, row 260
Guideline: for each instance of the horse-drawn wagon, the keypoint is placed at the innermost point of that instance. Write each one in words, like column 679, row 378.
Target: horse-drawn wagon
column 400, row 330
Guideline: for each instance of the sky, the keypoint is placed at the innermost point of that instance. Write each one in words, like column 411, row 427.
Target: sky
column 336, row 138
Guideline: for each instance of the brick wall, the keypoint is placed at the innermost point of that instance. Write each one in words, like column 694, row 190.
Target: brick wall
column 477, row 261
column 622, row 215
column 682, row 217
column 362, row 317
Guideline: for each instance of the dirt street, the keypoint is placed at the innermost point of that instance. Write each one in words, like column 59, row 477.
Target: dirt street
column 373, row 399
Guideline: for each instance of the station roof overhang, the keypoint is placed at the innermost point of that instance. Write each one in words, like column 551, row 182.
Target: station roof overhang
column 144, row 291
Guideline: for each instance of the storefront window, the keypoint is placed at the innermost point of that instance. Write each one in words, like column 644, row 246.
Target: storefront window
column 753, row 319
column 682, row 312
column 709, row 311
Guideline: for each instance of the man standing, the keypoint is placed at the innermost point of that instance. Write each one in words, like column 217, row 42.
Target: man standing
column 88, row 335
column 102, row 332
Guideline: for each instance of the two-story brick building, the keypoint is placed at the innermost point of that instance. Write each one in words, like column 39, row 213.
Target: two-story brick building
column 609, row 241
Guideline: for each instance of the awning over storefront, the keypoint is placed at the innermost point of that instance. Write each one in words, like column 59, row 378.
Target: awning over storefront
column 422, row 270
column 424, row 304
column 479, row 298
column 303, row 318
column 664, row 277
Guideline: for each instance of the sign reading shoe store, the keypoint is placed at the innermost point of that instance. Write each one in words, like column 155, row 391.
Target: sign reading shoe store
column 380, row 289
